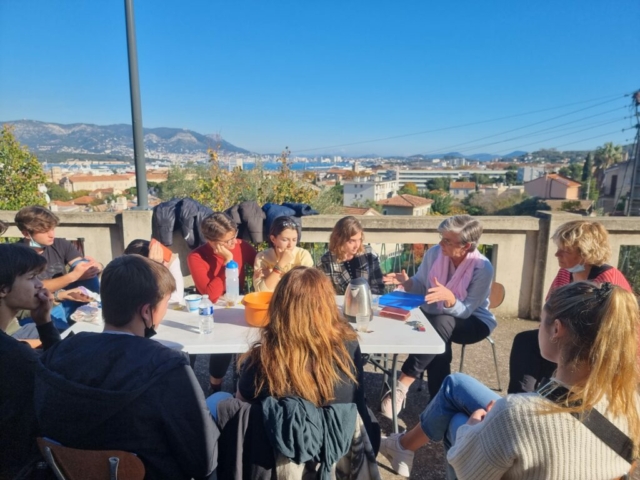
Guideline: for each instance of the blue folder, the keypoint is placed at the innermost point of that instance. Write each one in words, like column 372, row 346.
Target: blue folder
column 404, row 300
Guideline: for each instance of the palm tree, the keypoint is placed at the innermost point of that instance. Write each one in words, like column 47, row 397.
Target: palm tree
column 606, row 156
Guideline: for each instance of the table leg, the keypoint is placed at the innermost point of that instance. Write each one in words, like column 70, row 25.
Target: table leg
column 394, row 375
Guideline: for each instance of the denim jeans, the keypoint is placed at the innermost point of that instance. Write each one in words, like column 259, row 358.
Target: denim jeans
column 459, row 396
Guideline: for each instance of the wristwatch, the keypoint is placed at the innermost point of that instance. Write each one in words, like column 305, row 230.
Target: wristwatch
column 56, row 297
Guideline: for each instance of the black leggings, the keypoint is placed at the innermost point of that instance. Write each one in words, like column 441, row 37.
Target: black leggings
column 459, row 330
column 218, row 363
column 527, row 368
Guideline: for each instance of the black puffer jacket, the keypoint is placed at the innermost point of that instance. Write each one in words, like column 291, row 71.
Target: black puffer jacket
column 249, row 218
column 185, row 214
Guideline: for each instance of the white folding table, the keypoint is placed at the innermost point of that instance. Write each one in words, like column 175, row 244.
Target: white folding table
column 231, row 334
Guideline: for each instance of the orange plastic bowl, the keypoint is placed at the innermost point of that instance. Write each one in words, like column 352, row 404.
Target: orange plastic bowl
column 256, row 305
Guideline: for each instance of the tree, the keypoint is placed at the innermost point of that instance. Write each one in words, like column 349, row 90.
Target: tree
column 56, row 192
column 181, row 183
column 409, row 188
column 20, row 174
column 511, row 177
column 481, row 179
column 440, row 183
column 604, row 157
column 442, row 202
column 572, row 171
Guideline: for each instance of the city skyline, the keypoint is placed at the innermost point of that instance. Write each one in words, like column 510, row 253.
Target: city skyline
column 351, row 79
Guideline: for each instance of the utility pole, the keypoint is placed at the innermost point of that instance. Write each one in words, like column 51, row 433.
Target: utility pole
column 633, row 205
column 136, row 109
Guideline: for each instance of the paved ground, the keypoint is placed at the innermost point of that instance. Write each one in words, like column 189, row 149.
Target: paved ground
column 429, row 461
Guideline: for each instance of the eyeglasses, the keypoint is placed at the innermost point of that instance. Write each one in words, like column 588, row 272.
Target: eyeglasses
column 230, row 242
column 448, row 242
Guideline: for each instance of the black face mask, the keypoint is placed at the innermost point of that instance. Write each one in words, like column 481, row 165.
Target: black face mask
column 149, row 332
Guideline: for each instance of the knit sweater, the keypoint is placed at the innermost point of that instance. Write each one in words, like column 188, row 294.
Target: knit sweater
column 516, row 441
column 266, row 260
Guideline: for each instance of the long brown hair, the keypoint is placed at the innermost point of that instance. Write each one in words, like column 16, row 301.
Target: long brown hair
column 603, row 323
column 343, row 230
column 303, row 347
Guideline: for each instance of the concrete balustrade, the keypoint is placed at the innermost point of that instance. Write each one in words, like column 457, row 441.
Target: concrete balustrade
column 523, row 255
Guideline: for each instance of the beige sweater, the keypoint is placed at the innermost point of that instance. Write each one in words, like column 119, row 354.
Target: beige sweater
column 266, row 260
column 514, row 441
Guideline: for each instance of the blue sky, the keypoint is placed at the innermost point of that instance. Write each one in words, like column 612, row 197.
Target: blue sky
column 315, row 76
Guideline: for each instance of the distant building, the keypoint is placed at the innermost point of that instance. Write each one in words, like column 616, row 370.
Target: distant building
column 421, row 177
column 526, row 174
column 359, row 190
column 75, row 183
column 500, row 188
column 406, row 205
column 55, row 174
column 462, row 190
column 360, row 211
column 553, row 186
column 616, row 185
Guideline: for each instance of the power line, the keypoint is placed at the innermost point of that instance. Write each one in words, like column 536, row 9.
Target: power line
column 554, row 128
column 582, row 129
column 461, row 125
column 578, row 141
column 445, row 149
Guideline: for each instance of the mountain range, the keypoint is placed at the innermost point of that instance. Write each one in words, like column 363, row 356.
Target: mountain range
column 55, row 141
column 53, row 138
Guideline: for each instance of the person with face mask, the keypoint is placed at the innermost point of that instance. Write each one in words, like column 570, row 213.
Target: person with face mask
column 582, row 252
column 118, row 390
column 66, row 270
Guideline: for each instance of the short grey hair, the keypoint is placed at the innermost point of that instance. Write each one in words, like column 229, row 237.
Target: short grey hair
column 468, row 228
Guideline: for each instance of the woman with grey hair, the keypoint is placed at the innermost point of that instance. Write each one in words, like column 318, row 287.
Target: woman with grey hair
column 456, row 281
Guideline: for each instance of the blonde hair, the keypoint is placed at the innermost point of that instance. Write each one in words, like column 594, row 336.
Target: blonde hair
column 589, row 239
column 302, row 348
column 342, row 232
column 603, row 326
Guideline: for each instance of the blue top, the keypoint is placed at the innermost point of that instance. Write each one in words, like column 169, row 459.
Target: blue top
column 477, row 301
column 232, row 264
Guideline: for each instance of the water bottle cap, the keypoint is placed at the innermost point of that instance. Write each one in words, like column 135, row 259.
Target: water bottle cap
column 232, row 264
column 205, row 297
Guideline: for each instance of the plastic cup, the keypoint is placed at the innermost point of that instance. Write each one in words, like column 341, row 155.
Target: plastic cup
column 375, row 303
column 193, row 301
column 362, row 323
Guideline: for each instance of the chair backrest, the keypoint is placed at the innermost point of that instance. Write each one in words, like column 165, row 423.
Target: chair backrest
column 496, row 297
column 74, row 464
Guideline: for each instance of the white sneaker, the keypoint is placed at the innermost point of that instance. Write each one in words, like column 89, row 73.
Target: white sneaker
column 386, row 404
column 400, row 458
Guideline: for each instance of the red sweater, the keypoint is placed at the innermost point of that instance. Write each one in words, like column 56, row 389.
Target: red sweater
column 611, row 275
column 207, row 268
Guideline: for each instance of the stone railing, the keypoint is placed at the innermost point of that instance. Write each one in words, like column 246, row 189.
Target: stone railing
column 523, row 252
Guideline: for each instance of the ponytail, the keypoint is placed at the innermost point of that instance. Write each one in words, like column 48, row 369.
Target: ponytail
column 604, row 325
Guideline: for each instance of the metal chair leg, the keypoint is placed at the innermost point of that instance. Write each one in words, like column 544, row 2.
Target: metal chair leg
column 462, row 359
column 495, row 361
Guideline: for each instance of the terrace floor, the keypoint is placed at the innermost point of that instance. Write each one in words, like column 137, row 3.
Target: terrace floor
column 429, row 461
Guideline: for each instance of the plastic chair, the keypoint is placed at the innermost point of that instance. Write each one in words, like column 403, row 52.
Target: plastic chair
column 496, row 297
column 74, row 464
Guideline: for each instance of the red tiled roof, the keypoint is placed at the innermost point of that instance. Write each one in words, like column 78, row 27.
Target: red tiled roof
column 405, row 200
column 86, row 200
column 359, row 211
column 465, row 185
column 558, row 178
column 100, row 178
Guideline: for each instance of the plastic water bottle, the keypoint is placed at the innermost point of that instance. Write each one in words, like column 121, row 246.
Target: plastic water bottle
column 205, row 309
column 232, row 282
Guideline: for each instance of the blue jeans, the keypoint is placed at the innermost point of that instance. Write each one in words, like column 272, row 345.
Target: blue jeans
column 214, row 400
column 459, row 396
column 61, row 313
